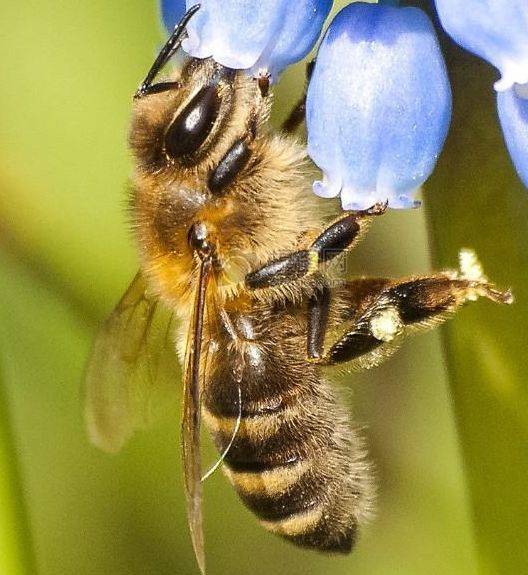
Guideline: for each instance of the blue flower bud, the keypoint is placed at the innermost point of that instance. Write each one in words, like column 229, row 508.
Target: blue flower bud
column 172, row 12
column 496, row 30
column 261, row 37
column 378, row 106
column 512, row 105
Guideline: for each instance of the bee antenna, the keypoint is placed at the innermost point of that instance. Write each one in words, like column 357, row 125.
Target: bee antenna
column 172, row 44
column 231, row 441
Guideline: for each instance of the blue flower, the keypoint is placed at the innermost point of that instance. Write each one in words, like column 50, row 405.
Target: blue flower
column 261, row 37
column 378, row 106
column 172, row 12
column 512, row 106
column 497, row 30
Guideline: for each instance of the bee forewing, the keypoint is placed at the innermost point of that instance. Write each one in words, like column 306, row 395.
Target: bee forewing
column 192, row 468
column 132, row 371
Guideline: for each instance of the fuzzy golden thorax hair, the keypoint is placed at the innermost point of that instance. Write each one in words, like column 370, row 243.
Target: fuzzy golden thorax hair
column 261, row 214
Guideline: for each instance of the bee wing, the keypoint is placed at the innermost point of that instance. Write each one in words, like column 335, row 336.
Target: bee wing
column 190, row 431
column 132, row 369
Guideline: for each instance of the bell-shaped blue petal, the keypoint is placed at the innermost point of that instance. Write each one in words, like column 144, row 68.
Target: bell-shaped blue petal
column 263, row 37
column 378, row 106
column 172, row 12
column 296, row 36
column 512, row 106
column 496, row 30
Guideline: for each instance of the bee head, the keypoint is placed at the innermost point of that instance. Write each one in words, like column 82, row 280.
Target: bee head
column 187, row 128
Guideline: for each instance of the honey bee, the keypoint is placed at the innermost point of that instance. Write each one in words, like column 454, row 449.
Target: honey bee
column 239, row 251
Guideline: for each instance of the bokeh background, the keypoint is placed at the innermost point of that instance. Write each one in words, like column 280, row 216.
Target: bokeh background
column 446, row 419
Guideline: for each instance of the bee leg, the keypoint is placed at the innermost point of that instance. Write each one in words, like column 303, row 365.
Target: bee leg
column 318, row 310
column 391, row 309
column 296, row 116
column 333, row 241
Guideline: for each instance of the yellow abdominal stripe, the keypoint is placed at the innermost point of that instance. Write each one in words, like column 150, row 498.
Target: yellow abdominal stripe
column 252, row 427
column 296, row 524
column 271, row 482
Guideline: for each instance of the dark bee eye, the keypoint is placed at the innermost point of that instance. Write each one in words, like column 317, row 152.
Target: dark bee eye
column 190, row 128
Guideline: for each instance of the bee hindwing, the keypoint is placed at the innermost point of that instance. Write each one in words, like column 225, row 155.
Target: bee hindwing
column 132, row 371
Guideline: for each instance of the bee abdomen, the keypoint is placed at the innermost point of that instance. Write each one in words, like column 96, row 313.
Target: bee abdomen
column 301, row 470
column 299, row 512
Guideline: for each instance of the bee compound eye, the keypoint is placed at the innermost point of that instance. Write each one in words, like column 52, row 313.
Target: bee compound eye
column 230, row 165
column 193, row 124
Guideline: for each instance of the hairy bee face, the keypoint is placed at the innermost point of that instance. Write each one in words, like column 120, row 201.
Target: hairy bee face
column 183, row 128
column 204, row 156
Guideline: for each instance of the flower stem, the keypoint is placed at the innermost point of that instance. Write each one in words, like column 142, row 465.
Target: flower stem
column 16, row 553
column 474, row 199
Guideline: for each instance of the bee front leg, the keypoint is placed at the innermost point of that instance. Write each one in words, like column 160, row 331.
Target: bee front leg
column 337, row 238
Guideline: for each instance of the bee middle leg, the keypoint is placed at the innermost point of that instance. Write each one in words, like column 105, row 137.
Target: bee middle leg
column 372, row 315
column 338, row 237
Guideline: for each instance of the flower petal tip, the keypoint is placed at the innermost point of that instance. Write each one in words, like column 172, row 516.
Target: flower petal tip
column 512, row 108
column 404, row 202
column 326, row 188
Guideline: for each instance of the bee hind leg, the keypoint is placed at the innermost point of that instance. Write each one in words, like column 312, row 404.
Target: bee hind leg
column 373, row 315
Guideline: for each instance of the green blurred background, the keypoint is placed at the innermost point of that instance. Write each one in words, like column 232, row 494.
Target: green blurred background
column 451, row 502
